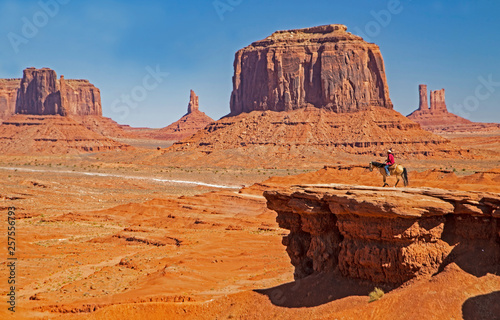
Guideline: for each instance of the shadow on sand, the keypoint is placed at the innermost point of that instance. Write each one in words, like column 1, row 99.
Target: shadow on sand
column 316, row 290
column 484, row 307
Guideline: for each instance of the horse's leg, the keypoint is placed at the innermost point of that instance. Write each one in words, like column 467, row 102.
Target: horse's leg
column 396, row 182
column 385, row 178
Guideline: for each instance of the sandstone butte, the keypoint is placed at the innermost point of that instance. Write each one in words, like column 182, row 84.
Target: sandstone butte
column 41, row 93
column 438, row 119
column 324, row 66
column 308, row 93
column 43, row 114
column 388, row 236
column 193, row 121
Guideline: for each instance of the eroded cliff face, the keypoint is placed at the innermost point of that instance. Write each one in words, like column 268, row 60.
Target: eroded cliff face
column 326, row 67
column 41, row 93
column 8, row 96
column 80, row 98
column 388, row 236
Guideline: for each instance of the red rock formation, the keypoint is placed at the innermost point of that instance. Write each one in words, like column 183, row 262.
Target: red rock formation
column 41, row 93
column 438, row 103
column 325, row 66
column 388, row 236
column 437, row 119
column 193, row 121
column 331, row 86
column 106, row 126
column 424, row 103
column 80, row 97
column 194, row 104
column 8, row 96
column 309, row 137
column 48, row 134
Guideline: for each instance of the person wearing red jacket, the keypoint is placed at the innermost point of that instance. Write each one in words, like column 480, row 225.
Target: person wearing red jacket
column 389, row 162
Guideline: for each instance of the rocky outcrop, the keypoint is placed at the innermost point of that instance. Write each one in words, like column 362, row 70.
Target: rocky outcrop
column 388, row 236
column 48, row 134
column 424, row 103
column 310, row 137
column 438, row 103
column 8, row 96
column 437, row 118
column 326, row 67
column 41, row 93
column 107, row 127
column 48, row 115
column 80, row 98
column 194, row 104
column 193, row 121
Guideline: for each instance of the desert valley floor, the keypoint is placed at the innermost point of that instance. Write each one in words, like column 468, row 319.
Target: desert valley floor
column 122, row 235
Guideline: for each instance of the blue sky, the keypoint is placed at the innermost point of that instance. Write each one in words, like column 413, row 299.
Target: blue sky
column 450, row 44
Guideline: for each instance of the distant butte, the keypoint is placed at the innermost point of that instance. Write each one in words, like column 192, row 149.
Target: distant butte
column 300, row 96
column 41, row 93
column 325, row 67
column 193, row 121
column 45, row 115
column 438, row 119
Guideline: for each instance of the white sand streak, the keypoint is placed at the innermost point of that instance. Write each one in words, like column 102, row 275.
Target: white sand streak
column 98, row 174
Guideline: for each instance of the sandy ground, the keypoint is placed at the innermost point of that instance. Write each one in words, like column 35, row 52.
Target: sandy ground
column 107, row 236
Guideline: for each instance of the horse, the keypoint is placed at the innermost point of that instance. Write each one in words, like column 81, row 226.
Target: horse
column 397, row 170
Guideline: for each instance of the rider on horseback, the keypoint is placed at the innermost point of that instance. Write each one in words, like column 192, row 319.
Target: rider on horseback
column 389, row 162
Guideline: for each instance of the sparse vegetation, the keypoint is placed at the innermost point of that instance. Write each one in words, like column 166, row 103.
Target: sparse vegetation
column 376, row 294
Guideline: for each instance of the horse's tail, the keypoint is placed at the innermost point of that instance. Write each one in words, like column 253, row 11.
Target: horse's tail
column 405, row 177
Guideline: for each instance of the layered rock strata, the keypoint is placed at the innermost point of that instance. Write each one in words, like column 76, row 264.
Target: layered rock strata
column 326, row 67
column 314, row 133
column 31, row 134
column 388, row 236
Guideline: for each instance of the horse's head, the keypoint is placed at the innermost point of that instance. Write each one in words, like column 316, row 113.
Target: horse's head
column 371, row 166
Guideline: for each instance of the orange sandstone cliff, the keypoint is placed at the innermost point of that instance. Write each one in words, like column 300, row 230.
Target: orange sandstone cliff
column 8, row 97
column 324, row 66
column 388, row 236
column 41, row 93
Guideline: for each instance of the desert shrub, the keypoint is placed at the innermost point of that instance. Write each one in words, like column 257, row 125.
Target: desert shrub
column 376, row 294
